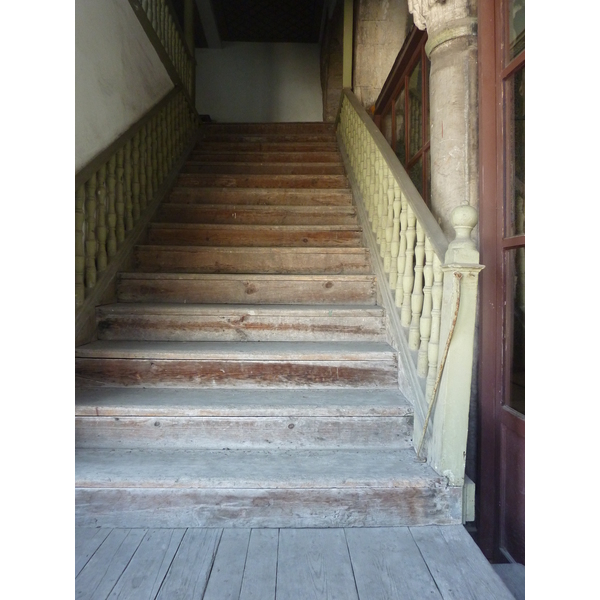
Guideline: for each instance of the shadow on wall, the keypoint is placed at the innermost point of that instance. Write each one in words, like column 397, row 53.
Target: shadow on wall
column 256, row 82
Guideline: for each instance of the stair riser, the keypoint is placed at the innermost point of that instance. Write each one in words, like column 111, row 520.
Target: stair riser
column 263, row 181
column 254, row 236
column 269, row 128
column 263, row 169
column 241, row 215
column 159, row 432
column 153, row 259
column 248, row 374
column 261, row 138
column 280, row 291
column 268, row 157
column 363, row 507
column 200, row 328
column 261, row 197
column 209, row 147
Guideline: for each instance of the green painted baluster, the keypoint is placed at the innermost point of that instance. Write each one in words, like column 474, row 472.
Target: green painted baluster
column 135, row 185
column 120, row 199
column 422, row 362
column 101, row 230
column 416, row 298
column 111, row 245
column 90, row 233
column 79, row 246
column 127, row 164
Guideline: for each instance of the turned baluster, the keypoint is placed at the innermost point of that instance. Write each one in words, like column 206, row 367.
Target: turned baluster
column 101, row 229
column 389, row 226
column 409, row 270
column 153, row 146
column 416, row 299
column 111, row 244
column 136, row 172
column 436, row 313
column 422, row 361
column 402, row 251
column 381, row 207
column 79, row 246
column 90, row 232
column 127, row 163
column 120, row 199
column 395, row 244
column 143, row 174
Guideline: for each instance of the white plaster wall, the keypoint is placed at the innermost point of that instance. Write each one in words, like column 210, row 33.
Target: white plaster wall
column 247, row 82
column 118, row 75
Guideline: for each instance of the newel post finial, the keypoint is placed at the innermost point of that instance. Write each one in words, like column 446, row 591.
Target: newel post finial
column 462, row 249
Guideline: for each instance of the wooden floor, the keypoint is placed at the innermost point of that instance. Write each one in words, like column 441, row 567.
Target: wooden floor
column 284, row 564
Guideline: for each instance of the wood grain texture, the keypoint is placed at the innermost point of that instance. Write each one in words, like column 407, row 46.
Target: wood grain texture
column 228, row 569
column 265, row 157
column 314, row 565
column 260, row 570
column 263, row 181
column 87, row 541
column 264, row 168
column 107, row 565
column 266, row 146
column 460, row 570
column 190, row 570
column 387, row 565
column 244, row 288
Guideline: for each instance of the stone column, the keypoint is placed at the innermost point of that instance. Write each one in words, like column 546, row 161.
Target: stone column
column 452, row 48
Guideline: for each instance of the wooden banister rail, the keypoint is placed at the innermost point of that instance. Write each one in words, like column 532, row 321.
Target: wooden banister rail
column 418, row 263
column 116, row 193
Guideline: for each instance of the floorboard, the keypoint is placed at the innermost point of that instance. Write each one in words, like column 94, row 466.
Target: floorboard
column 355, row 563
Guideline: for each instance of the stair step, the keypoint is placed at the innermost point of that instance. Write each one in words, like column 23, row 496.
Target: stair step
column 237, row 156
column 275, row 168
column 240, row 289
column 203, row 419
column 210, row 259
column 261, row 138
column 257, row 196
column 211, row 146
column 186, row 322
column 262, row 181
column 253, row 128
column 260, row 488
column 256, row 215
column 238, row 364
column 199, row 234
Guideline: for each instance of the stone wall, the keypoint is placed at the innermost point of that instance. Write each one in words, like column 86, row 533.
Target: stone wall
column 332, row 48
column 380, row 28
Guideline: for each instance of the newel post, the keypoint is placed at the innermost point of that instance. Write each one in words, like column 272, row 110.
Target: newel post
column 446, row 438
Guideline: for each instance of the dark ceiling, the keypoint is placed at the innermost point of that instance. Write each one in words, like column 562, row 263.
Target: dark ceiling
column 262, row 20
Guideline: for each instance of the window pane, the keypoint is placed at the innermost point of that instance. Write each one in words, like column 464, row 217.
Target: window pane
column 515, row 176
column 516, row 327
column 415, row 108
column 516, row 28
column 416, row 174
column 400, row 129
column 387, row 127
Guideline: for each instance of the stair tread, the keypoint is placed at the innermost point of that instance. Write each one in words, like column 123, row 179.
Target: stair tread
column 253, row 469
column 236, row 227
column 300, row 208
column 239, row 351
column 258, row 249
column 245, row 276
column 324, row 310
column 190, row 402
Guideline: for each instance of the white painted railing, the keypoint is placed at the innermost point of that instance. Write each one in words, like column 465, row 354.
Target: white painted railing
column 430, row 293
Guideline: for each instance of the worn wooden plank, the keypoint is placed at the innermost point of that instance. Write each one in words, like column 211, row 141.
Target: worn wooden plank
column 460, row 570
column 331, row 156
column 266, row 146
column 223, row 260
column 198, row 234
column 104, row 569
column 187, row 322
column 243, row 432
column 263, row 181
column 249, row 196
column 277, row 127
column 242, row 289
column 248, row 214
column 189, row 572
column 387, row 565
column 260, row 572
column 313, row 565
column 270, row 137
column 145, row 572
column 87, row 541
column 264, row 168
column 228, row 569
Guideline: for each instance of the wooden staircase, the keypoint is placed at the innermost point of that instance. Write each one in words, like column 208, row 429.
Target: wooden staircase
column 244, row 377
